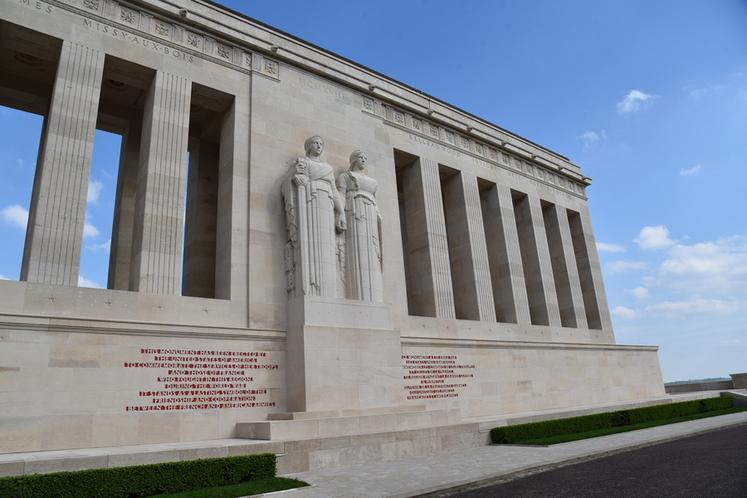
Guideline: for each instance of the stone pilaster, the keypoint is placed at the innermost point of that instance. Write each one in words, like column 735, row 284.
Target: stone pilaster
column 513, row 253
column 545, row 261
column 156, row 262
column 570, row 264
column 58, row 202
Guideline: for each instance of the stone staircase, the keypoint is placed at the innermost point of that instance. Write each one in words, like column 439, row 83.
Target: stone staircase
column 316, row 440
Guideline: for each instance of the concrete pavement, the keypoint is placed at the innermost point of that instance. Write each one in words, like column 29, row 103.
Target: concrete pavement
column 417, row 476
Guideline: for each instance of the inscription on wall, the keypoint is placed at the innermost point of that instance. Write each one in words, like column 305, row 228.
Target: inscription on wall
column 198, row 379
column 435, row 376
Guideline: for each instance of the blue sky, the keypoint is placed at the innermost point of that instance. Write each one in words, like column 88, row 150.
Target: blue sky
column 649, row 98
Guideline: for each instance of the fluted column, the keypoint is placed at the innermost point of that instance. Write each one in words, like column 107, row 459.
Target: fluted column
column 603, row 311
column 513, row 255
column 58, row 202
column 427, row 250
column 545, row 261
column 473, row 293
column 156, row 257
column 570, row 264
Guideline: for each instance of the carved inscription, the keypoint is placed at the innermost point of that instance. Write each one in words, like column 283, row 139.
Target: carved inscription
column 435, row 145
column 435, row 376
column 333, row 91
column 36, row 5
column 192, row 379
column 137, row 40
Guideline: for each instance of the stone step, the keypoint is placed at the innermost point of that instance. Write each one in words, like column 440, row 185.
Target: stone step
column 345, row 413
column 345, row 451
column 283, row 430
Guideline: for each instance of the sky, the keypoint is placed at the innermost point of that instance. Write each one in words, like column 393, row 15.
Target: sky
column 649, row 98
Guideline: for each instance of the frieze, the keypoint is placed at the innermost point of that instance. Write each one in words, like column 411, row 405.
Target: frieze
column 131, row 23
column 455, row 143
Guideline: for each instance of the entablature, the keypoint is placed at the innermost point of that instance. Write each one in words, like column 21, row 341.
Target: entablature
column 229, row 38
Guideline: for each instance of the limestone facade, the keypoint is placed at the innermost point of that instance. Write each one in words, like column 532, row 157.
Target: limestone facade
column 488, row 298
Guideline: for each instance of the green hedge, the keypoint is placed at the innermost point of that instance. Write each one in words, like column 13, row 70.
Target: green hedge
column 141, row 480
column 549, row 428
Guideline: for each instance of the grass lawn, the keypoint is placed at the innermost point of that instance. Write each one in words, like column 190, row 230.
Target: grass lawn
column 564, row 438
column 241, row 489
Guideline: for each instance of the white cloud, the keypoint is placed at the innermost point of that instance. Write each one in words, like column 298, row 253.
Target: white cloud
column 692, row 170
column 694, row 306
column 89, row 231
column 607, row 247
column 716, row 267
column 104, row 246
column 626, row 265
column 633, row 101
column 84, row 282
column 15, row 215
column 94, row 191
column 624, row 312
column 590, row 137
column 703, row 91
column 639, row 292
column 655, row 237
column 3, row 277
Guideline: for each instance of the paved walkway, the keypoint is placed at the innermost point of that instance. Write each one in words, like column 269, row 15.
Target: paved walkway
column 712, row 464
column 417, row 476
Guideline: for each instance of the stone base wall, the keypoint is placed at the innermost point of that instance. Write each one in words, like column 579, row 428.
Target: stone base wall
column 493, row 378
column 63, row 388
column 78, row 384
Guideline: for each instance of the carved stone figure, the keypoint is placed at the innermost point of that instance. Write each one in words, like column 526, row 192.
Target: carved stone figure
column 363, row 268
column 313, row 213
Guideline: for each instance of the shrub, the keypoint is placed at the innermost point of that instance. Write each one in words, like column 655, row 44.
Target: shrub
column 549, row 428
column 141, row 480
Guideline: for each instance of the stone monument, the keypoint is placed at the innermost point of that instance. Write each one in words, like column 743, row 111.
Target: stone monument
column 288, row 311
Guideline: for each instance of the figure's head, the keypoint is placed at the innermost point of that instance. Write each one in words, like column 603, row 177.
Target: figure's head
column 314, row 146
column 358, row 160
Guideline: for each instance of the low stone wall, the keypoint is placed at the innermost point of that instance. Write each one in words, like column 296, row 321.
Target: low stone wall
column 691, row 387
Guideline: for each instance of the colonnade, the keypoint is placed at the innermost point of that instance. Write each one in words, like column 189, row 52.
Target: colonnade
column 147, row 235
column 478, row 250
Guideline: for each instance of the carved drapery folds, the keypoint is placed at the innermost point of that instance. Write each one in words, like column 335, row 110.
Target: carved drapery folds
column 334, row 228
column 363, row 235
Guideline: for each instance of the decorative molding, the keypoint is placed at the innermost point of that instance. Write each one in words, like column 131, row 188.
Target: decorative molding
column 562, row 179
column 113, row 327
column 167, row 32
column 489, row 344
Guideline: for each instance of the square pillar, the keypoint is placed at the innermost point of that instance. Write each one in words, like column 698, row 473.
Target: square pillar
column 603, row 311
column 570, row 264
column 58, row 202
column 503, row 203
column 427, row 250
column 120, row 257
column 157, row 244
column 473, row 292
column 232, row 237
column 198, row 277
column 545, row 261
